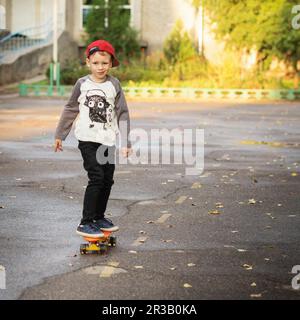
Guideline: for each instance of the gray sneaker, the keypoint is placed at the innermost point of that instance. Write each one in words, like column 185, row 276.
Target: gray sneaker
column 89, row 230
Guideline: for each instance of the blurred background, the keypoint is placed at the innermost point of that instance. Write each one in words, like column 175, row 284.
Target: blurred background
column 172, row 43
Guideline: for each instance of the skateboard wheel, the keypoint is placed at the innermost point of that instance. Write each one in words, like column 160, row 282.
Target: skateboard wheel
column 83, row 248
column 103, row 248
column 113, row 241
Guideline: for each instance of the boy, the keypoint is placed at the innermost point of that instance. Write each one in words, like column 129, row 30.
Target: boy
column 100, row 102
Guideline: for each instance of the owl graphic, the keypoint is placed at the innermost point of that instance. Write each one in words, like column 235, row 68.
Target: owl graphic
column 100, row 109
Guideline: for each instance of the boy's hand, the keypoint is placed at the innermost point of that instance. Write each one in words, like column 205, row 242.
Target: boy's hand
column 126, row 152
column 58, row 145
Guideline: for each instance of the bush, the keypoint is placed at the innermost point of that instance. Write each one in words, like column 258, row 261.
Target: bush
column 72, row 72
column 133, row 72
column 178, row 47
column 196, row 72
column 136, row 71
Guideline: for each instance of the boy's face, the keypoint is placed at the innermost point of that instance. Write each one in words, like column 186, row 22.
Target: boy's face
column 99, row 64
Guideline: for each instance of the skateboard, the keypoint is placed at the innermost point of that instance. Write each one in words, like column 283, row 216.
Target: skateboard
column 98, row 245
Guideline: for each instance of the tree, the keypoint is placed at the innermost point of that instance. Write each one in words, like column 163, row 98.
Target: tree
column 178, row 49
column 178, row 46
column 110, row 21
column 264, row 25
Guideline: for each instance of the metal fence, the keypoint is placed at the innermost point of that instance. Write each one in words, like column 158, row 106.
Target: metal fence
column 181, row 93
column 15, row 44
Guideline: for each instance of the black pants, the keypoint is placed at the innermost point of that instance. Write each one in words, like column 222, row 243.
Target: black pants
column 100, row 180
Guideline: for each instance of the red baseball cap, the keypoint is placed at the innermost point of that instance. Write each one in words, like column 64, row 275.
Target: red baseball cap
column 102, row 45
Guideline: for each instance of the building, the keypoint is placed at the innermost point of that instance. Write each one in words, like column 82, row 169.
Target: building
column 26, row 40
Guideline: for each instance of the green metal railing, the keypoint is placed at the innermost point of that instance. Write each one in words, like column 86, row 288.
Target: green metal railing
column 183, row 93
column 192, row 93
column 172, row 93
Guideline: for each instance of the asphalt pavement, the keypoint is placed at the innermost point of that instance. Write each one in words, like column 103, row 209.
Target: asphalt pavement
column 228, row 232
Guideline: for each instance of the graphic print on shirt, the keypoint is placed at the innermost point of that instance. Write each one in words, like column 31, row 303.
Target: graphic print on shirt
column 100, row 110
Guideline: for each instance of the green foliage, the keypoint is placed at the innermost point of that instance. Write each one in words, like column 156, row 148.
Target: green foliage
column 197, row 74
column 136, row 72
column 178, row 47
column 72, row 72
column 265, row 25
column 180, row 66
column 112, row 23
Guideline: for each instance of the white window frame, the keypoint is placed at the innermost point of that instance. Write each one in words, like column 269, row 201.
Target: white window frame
column 88, row 6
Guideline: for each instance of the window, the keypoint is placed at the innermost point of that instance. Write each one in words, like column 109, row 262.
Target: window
column 2, row 18
column 88, row 4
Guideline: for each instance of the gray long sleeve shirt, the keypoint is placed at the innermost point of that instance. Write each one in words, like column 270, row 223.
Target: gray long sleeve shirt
column 102, row 109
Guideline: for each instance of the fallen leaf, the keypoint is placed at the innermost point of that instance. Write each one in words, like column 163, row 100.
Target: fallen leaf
column 255, row 295
column 251, row 201
column 247, row 266
column 219, row 205
column 270, row 215
column 294, row 174
column 150, row 222
column 187, row 285
column 196, row 185
column 214, row 212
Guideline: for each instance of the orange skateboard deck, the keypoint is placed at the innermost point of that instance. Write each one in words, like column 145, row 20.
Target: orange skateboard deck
column 98, row 245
